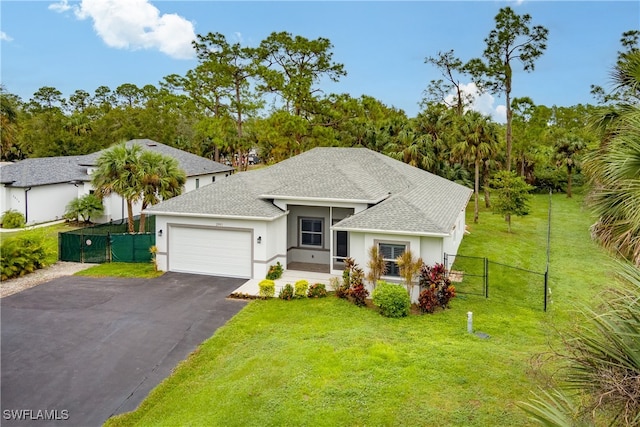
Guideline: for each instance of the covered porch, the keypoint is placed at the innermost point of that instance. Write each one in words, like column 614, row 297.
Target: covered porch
column 312, row 244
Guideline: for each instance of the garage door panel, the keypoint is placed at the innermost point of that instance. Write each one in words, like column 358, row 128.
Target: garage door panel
column 210, row 251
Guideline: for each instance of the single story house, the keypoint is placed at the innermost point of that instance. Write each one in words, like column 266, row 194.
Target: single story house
column 311, row 211
column 40, row 188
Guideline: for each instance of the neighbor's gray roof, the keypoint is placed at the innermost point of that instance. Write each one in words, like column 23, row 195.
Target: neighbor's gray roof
column 43, row 171
column 191, row 164
column 404, row 198
column 54, row 170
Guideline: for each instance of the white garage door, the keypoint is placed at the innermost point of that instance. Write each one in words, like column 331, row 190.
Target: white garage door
column 210, row 251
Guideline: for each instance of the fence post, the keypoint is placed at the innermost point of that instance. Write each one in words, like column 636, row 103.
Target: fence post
column 486, row 278
column 546, row 288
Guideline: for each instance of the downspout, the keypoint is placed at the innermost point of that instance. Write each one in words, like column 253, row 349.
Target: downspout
column 26, row 206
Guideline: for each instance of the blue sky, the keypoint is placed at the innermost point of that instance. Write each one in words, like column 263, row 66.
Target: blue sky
column 82, row 45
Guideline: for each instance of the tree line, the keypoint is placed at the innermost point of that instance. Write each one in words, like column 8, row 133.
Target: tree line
column 268, row 98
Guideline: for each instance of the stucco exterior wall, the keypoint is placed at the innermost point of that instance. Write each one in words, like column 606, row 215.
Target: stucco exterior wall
column 452, row 244
column 195, row 182
column 39, row 204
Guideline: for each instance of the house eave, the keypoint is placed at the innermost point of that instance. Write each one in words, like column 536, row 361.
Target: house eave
column 216, row 216
column 394, row 232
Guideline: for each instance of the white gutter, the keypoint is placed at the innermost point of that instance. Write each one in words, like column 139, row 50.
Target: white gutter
column 214, row 216
column 322, row 199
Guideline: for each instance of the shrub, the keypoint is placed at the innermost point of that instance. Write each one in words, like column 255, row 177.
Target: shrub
column 392, row 300
column 437, row 289
column 354, row 278
column 428, row 301
column 21, row 255
column 342, row 288
column 275, row 271
column 359, row 294
column 287, row 292
column 301, row 288
column 12, row 219
column 85, row 207
column 377, row 265
column 317, row 290
column 267, row 288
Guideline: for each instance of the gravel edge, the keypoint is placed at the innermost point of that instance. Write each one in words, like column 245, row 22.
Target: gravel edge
column 38, row 277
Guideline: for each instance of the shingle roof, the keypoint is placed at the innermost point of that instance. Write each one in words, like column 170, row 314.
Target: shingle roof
column 235, row 195
column 54, row 170
column 191, row 164
column 43, row 171
column 404, row 198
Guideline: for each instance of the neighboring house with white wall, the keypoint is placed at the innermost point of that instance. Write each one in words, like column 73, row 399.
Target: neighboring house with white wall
column 40, row 188
column 312, row 210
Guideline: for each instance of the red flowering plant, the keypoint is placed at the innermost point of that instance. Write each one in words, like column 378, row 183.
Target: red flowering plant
column 436, row 288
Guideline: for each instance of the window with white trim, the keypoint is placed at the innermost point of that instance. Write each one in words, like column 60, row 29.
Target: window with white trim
column 311, row 232
column 389, row 252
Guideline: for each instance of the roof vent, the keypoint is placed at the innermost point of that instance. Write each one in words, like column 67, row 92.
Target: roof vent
column 151, row 144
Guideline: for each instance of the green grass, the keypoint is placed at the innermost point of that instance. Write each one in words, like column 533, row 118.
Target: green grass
column 326, row 362
column 121, row 269
column 49, row 235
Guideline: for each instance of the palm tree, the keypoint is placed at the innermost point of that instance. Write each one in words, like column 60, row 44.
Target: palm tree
column 566, row 152
column 614, row 169
column 601, row 377
column 615, row 196
column 161, row 178
column 478, row 140
column 118, row 171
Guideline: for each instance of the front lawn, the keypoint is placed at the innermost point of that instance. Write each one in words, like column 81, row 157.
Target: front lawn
column 121, row 269
column 328, row 362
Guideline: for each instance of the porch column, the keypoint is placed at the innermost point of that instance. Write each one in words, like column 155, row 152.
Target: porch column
column 330, row 238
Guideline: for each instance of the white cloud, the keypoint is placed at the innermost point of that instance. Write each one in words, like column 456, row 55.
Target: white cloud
column 239, row 37
column 483, row 103
column 60, row 7
column 5, row 37
column 136, row 24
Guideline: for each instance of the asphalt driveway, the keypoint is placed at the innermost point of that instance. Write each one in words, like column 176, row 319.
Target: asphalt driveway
column 83, row 349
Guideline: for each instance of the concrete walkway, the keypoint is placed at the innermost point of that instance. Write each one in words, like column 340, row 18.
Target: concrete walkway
column 288, row 276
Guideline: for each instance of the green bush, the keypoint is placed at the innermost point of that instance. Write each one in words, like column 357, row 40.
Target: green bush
column 12, row 219
column 317, row 290
column 267, row 288
column 301, row 288
column 21, row 255
column 392, row 300
column 275, row 271
column 287, row 292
